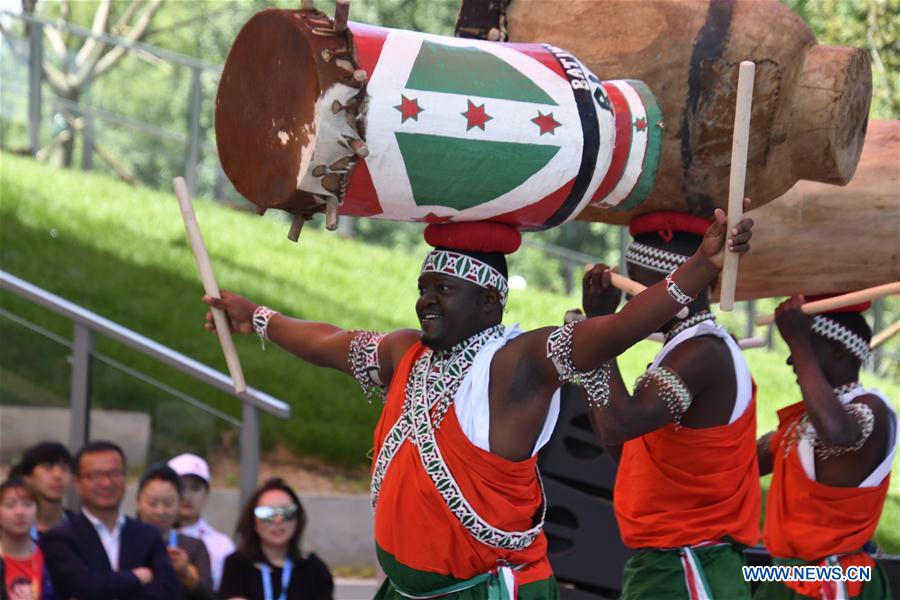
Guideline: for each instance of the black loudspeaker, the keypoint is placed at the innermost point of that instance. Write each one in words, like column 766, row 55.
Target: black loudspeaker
column 891, row 566
column 574, row 454
column 567, row 592
column 583, row 541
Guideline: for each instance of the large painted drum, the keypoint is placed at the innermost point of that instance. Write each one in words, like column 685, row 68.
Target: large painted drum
column 407, row 126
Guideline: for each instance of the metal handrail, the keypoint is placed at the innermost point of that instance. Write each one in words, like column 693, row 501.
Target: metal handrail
column 120, row 366
column 142, row 344
column 87, row 323
column 111, row 117
column 169, row 55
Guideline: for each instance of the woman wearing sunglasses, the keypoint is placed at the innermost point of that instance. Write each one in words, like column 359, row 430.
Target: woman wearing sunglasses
column 268, row 564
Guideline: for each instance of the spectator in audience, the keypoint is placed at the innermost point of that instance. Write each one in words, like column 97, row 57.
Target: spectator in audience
column 47, row 469
column 22, row 569
column 195, row 481
column 159, row 492
column 268, row 563
column 101, row 554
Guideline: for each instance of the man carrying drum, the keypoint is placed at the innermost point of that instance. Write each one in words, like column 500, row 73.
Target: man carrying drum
column 687, row 488
column 457, row 496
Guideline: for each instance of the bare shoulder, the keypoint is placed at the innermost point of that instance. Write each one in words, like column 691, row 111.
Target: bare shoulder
column 395, row 344
column 701, row 362
column 526, row 353
column 531, row 344
column 699, row 357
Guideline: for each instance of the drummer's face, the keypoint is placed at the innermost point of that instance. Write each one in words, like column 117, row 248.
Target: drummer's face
column 448, row 310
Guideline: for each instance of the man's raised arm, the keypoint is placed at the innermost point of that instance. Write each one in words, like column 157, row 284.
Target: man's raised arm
column 320, row 344
column 590, row 344
column 598, row 340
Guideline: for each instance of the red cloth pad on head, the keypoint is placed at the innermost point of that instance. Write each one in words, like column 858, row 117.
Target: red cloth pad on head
column 474, row 237
column 667, row 223
column 853, row 308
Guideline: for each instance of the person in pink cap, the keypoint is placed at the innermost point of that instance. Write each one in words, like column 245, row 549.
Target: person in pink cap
column 195, row 478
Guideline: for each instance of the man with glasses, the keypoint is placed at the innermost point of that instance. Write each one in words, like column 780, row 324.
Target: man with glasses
column 100, row 553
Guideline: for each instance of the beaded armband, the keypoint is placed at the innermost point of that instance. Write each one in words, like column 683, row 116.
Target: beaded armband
column 866, row 420
column 363, row 357
column 594, row 382
column 671, row 389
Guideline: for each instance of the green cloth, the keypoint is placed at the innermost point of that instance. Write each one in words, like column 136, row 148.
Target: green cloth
column 876, row 589
column 421, row 582
column 659, row 575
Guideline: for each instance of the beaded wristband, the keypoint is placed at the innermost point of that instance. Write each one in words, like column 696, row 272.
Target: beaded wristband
column 261, row 317
column 676, row 292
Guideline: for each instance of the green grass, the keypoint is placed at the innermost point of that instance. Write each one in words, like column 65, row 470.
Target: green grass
column 122, row 252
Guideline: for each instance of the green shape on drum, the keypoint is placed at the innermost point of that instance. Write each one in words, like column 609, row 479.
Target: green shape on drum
column 472, row 72
column 461, row 173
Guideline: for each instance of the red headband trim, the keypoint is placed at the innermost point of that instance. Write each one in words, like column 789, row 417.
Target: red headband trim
column 667, row 223
column 853, row 308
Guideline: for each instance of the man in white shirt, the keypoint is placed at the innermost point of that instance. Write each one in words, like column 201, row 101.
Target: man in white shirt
column 195, row 479
column 102, row 554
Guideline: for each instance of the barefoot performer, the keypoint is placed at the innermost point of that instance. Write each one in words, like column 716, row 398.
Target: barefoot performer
column 830, row 457
column 687, row 494
column 459, row 506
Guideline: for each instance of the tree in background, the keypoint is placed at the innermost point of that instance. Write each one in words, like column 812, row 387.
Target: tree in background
column 75, row 63
column 868, row 24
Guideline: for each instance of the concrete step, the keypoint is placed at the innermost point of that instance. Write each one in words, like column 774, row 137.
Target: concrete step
column 355, row 589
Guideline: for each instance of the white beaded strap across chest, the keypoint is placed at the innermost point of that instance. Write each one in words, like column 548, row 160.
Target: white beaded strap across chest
column 430, row 390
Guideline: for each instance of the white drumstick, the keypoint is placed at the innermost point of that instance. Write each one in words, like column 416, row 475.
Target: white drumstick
column 739, row 144
column 885, row 335
column 209, row 283
column 819, row 306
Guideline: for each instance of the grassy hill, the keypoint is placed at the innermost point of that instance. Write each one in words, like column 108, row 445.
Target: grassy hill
column 122, row 252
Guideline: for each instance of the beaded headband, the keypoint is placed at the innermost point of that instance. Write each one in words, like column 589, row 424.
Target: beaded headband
column 655, row 259
column 467, row 268
column 831, row 329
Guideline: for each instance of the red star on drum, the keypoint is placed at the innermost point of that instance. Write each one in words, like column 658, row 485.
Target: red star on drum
column 546, row 123
column 476, row 116
column 409, row 109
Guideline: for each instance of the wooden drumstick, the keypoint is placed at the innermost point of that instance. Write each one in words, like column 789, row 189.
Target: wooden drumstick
column 209, row 284
column 739, row 144
column 884, row 335
column 630, row 286
column 819, row 306
column 752, row 342
column 743, row 344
